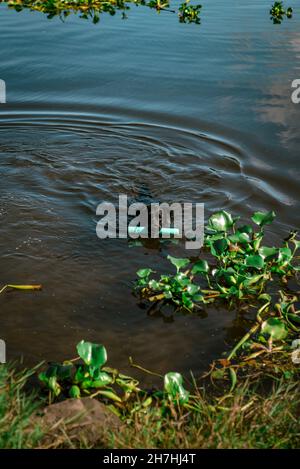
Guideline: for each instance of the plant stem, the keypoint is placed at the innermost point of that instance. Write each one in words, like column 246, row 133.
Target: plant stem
column 3, row 289
column 243, row 340
column 143, row 369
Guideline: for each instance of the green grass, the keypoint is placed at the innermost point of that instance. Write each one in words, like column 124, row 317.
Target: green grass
column 244, row 419
column 16, row 408
column 257, row 414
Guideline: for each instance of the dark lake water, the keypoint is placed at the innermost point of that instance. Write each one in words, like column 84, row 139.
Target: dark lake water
column 191, row 113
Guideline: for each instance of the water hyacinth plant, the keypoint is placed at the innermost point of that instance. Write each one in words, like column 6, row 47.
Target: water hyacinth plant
column 236, row 265
column 278, row 12
column 91, row 377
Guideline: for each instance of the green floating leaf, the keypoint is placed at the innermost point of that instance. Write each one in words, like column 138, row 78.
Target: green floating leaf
column 256, row 261
column 154, row 285
column 252, row 280
column 275, row 328
column 92, row 354
column 182, row 279
column 143, row 273
column 168, row 294
column 192, row 289
column 240, row 237
column 188, row 303
column 245, row 229
column 263, row 218
column 284, row 255
column 198, row 298
column 173, row 384
column 267, row 252
column 200, row 267
column 220, row 221
column 219, row 247
column 179, row 263
column 102, row 379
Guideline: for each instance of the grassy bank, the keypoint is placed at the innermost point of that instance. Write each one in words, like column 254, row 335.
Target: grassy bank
column 262, row 411
column 16, row 409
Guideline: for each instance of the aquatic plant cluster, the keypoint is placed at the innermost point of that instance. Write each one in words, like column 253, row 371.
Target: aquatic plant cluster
column 278, row 12
column 92, row 9
column 92, row 378
column 235, row 265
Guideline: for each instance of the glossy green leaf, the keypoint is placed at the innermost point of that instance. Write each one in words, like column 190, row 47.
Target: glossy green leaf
column 54, row 386
column 143, row 273
column 179, row 263
column 74, row 392
column 256, row 261
column 240, row 237
column 284, row 255
column 245, row 229
column 252, row 280
column 275, row 328
column 200, row 266
column 81, row 374
column 187, row 302
column 267, row 252
column 182, row 279
column 173, row 385
column 168, row 294
column 220, row 221
column 263, row 218
column 192, row 289
column 219, row 247
column 103, row 379
column 92, row 354
column 154, row 285
column 198, row 298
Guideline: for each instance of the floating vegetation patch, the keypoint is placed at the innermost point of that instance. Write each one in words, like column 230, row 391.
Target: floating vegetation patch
column 278, row 12
column 235, row 265
column 92, row 9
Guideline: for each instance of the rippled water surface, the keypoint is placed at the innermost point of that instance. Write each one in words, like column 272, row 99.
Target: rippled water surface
column 150, row 108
